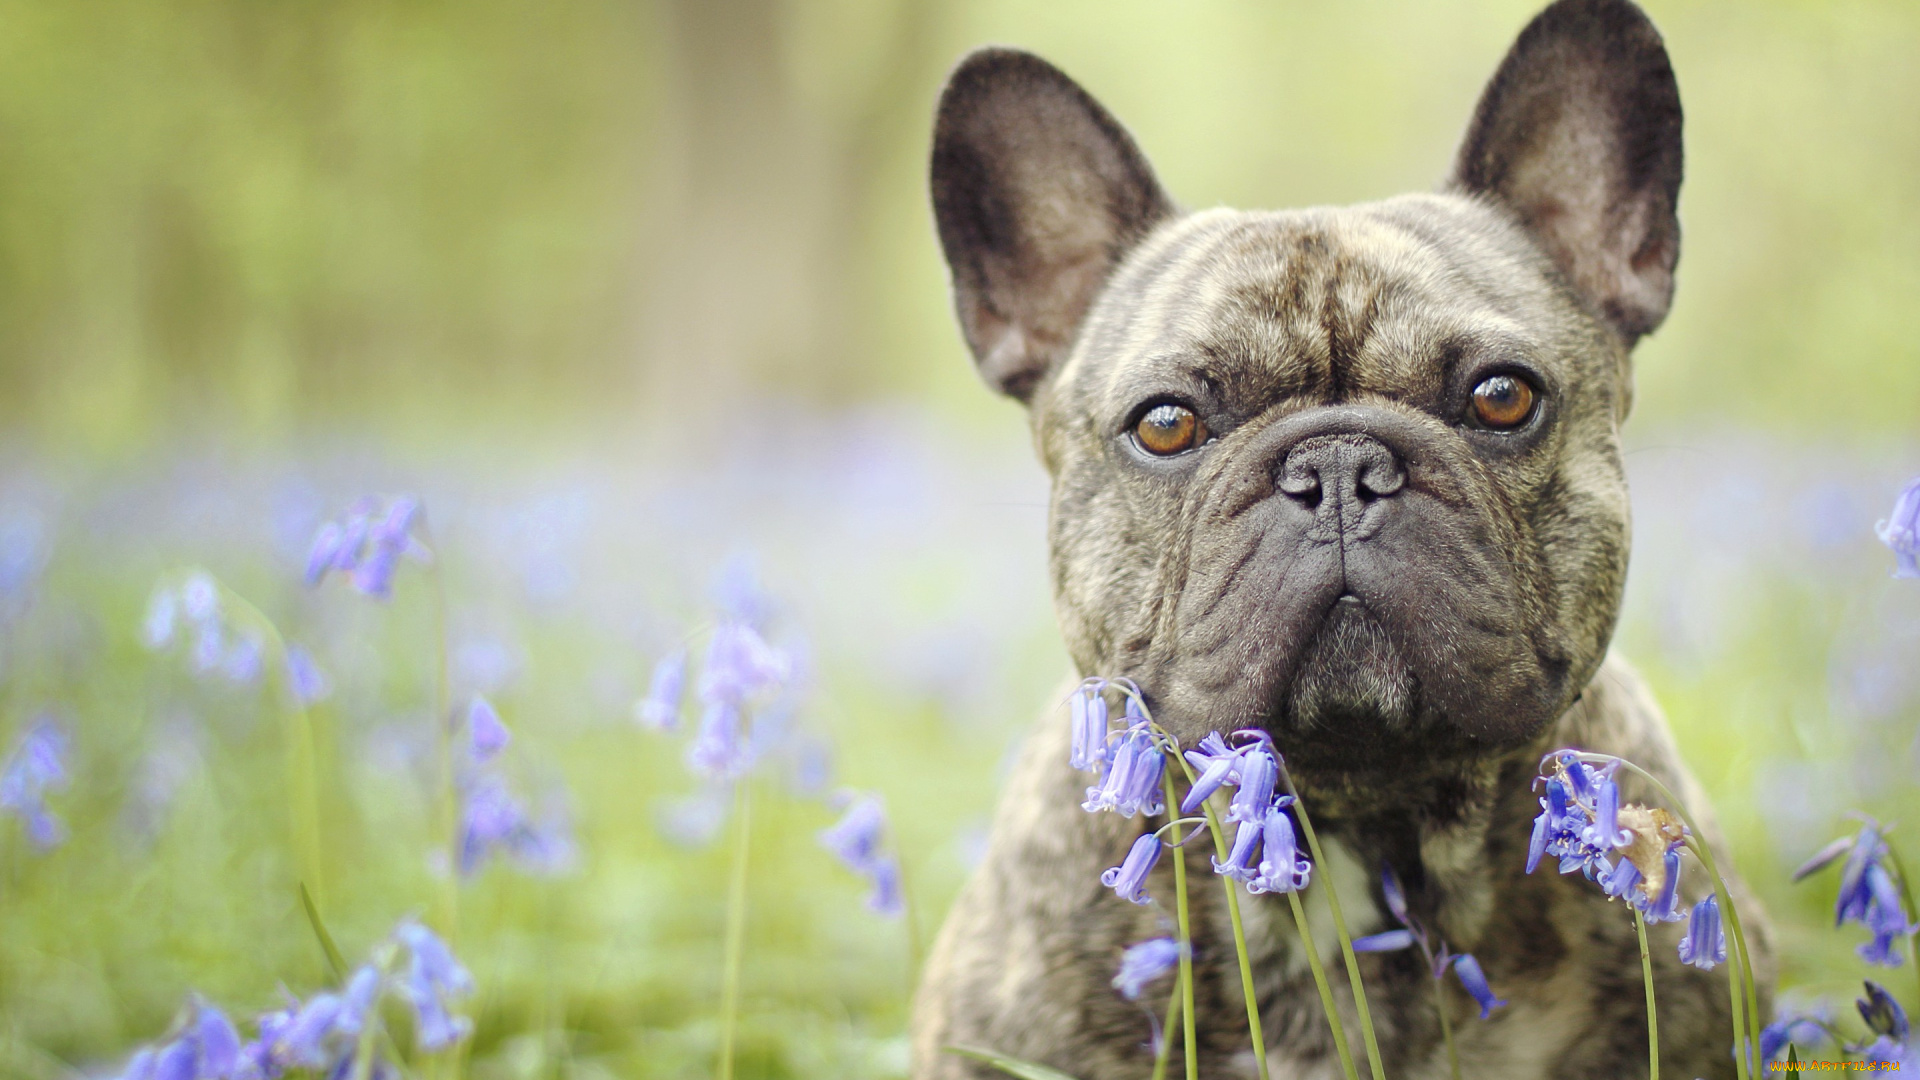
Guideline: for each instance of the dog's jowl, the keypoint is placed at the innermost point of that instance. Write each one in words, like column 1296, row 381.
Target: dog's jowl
column 1351, row 476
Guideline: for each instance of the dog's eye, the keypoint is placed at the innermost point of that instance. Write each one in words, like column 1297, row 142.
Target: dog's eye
column 1169, row 429
column 1502, row 402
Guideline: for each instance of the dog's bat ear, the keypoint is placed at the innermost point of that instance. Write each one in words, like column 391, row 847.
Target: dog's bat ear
column 1037, row 192
column 1579, row 135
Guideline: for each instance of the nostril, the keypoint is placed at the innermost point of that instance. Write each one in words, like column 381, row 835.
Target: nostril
column 1379, row 479
column 1302, row 482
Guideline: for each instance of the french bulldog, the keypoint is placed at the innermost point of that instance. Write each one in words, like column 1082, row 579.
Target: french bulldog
column 1350, row 476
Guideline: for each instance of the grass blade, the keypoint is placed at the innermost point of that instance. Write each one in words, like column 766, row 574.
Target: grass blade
column 334, row 960
column 1025, row 1070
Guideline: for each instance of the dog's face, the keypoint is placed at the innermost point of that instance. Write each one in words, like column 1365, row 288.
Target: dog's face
column 1347, row 474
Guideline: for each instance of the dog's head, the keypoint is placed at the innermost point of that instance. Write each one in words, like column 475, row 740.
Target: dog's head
column 1349, row 474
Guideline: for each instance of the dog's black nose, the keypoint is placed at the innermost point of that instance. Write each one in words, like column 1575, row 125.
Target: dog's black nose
column 1340, row 477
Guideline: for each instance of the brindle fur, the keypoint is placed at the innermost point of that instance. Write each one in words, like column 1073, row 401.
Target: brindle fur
column 1413, row 652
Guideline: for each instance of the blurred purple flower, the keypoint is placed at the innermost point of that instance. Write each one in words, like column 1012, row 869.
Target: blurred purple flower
column 1868, row 894
column 156, row 631
column 433, row 980
column 308, row 684
column 368, row 545
column 1901, row 530
column 1440, row 960
column 660, row 709
column 36, row 767
column 1801, row 1030
column 856, row 840
column 1467, row 969
column 206, row 1048
column 241, row 663
column 1143, row 963
column 486, row 735
column 740, row 665
column 720, row 750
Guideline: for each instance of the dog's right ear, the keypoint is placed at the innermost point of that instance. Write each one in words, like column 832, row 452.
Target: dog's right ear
column 1037, row 192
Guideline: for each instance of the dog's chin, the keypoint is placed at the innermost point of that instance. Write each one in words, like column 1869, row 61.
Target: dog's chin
column 1354, row 700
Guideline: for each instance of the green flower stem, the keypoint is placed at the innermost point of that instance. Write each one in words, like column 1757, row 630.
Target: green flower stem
column 1166, row 1031
column 1653, row 1016
column 1189, row 1038
column 1746, row 1005
column 1340, row 927
column 1446, row 1027
column 736, row 927
column 303, row 784
column 1256, row 1031
column 1327, row 1004
column 449, row 811
column 1906, row 897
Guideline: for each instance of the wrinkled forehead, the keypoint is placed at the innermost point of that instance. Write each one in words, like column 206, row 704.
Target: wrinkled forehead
column 1325, row 302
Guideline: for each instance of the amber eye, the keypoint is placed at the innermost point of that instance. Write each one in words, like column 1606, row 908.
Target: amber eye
column 1502, row 402
column 1169, row 429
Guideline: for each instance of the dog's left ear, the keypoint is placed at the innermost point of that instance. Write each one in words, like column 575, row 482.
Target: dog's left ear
column 1038, row 192
column 1579, row 135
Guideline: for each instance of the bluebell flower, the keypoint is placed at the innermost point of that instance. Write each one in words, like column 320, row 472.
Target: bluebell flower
column 324, row 551
column 308, row 684
column 200, row 598
column 857, row 840
column 36, row 768
column 1218, row 766
column 1664, row 905
column 1258, row 771
column 205, row 1047
column 1799, row 1030
column 1143, row 963
column 1132, row 782
column 432, row 981
column 1467, row 969
column 1385, row 941
column 1868, row 893
column 157, row 629
column 368, row 545
column 1882, row 1012
column 1239, row 865
column 1440, row 961
column 1618, row 881
column 1283, row 867
column 1582, row 823
column 1130, row 877
column 241, row 664
column 1901, row 531
column 1705, row 943
column 740, row 665
column 209, row 648
column 486, row 735
column 660, row 709
column 490, row 819
column 1605, row 832
column 886, row 897
column 720, row 749
column 1087, row 712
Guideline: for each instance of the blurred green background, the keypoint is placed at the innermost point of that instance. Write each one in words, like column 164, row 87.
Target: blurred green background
column 621, row 288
